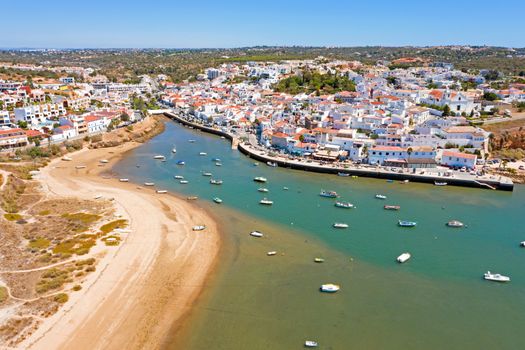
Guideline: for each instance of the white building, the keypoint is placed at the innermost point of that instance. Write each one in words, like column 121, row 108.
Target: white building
column 4, row 118
column 458, row 159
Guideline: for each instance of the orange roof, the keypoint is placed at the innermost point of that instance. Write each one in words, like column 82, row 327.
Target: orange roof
column 280, row 135
column 459, row 155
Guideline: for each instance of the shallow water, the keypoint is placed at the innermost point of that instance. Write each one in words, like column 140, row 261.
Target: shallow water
column 436, row 300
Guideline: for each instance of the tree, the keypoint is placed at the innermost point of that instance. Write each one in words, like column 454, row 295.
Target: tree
column 446, row 111
column 490, row 96
column 22, row 124
column 124, row 117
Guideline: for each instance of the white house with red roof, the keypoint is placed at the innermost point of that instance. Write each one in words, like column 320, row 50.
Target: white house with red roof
column 12, row 138
column 458, row 102
column 458, row 159
column 382, row 154
column 63, row 133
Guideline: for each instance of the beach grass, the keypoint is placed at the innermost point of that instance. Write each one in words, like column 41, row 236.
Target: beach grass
column 109, row 227
column 61, row 298
column 52, row 279
column 39, row 243
column 3, row 294
column 12, row 216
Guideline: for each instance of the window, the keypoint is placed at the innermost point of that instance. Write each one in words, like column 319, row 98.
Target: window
column 459, row 107
column 387, row 153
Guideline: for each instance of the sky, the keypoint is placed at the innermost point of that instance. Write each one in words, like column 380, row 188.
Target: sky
column 235, row 23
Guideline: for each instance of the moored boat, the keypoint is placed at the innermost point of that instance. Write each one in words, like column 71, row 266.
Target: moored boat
column 215, row 182
column 260, row 179
column 149, row 184
column 203, row 154
column 123, row 180
column 192, row 198
column 403, row 257
column 392, row 207
column 340, row 225
column 496, row 277
column 380, row 196
column 216, row 160
column 179, row 177
column 455, row 223
column 330, row 288
column 271, row 253
column 522, row 244
column 343, row 174
column 206, row 174
column 256, row 234
column 440, row 183
column 345, row 205
column 198, row 228
column 181, row 162
column 104, row 161
column 159, row 157
column 404, row 223
column 328, row 194
column 80, row 167
column 183, row 182
column 218, row 164
column 173, row 150
column 318, row 260
column 191, row 140
column 262, row 189
column 310, row 344
column 271, row 164
column 67, row 159
column 162, row 191
column 217, row 200
column 265, row 201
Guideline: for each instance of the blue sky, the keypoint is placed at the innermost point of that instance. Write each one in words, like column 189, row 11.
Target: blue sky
column 234, row 23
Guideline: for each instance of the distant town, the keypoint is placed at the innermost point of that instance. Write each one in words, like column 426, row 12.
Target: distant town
column 418, row 116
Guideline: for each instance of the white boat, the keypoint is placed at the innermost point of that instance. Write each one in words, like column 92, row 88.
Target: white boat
column 217, row 200
column 260, row 179
column 173, row 150
column 318, row 260
column 179, row 177
column 181, row 162
column 98, row 196
column 285, row 188
column 162, row 191
column 522, row 243
column 272, row 253
column 262, row 189
column 183, row 182
column 80, row 167
column 455, row 223
column 403, row 257
column 345, row 205
column 218, row 164
column 265, row 201
column 192, row 198
column 203, row 154
column 440, row 183
column 310, row 344
column 215, row 182
column 104, row 161
column 343, row 174
column 149, row 184
column 206, row 174
column 123, row 180
column 380, row 196
column 256, row 234
column 216, row 160
column 330, row 288
column 67, row 159
column 392, row 207
column 404, row 223
column 496, row 277
column 328, row 194
column 272, row 164
column 198, row 228
column 340, row 225
column 159, row 157
column 255, row 164
column 191, row 141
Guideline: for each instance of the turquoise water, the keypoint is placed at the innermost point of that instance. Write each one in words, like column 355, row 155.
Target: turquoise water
column 436, row 300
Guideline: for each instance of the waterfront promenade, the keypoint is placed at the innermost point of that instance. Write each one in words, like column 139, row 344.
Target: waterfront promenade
column 455, row 178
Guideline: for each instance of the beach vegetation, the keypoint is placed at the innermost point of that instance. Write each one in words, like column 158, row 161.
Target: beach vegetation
column 39, row 243
column 77, row 287
column 52, row 279
column 61, row 298
column 12, row 217
column 109, row 227
column 3, row 294
column 74, row 246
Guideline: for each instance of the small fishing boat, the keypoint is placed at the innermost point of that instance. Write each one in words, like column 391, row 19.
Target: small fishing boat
column 455, row 223
column 183, row 182
column 496, row 277
column 192, row 198
column 217, row 200
column 123, row 180
column 255, row 164
column 173, row 150
column 80, row 167
column 404, row 223
column 104, row 161
column 206, row 174
column 98, row 196
column 271, row 164
column 404, row 182
column 149, row 184
column 343, row 174
column 260, row 179
column 215, row 182
column 67, row 159
column 198, row 228
column 216, row 160
column 392, row 207
column 162, row 191
column 256, row 234
column 330, row 288
column 272, row 253
column 285, row 188
column 218, row 164
column 265, row 201
column 179, row 177
column 328, row 194
column 345, row 205
column 403, row 257
column 310, row 344
column 390, row 181
column 191, row 141
column 203, row 154
column 262, row 189
column 318, row 260
column 380, row 196
column 159, row 157
column 181, row 162
column 440, row 183
column 522, row 244
column 340, row 225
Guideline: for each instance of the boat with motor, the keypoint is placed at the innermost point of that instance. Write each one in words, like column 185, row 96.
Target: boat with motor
column 380, row 196
column 217, row 200
column 179, row 177
column 67, row 159
column 403, row 258
column 192, row 198
column 404, row 223
column 161, row 191
column 173, row 150
column 123, row 180
column 218, row 164
column 522, row 244
column 343, row 174
column 262, row 189
column 149, row 184
column 496, row 277
column 310, row 344
column 255, row 164
column 340, row 225
column 272, row 164
column 260, row 179
column 392, row 207
column 207, row 174
column 285, row 188
column 319, row 260
column 104, row 161
column 436, row 183
column 215, row 182
column 216, row 160
column 345, row 205
column 328, row 194
column 203, row 154
column 181, row 162
column 455, row 223
column 191, row 141
column 265, row 201
column 198, row 228
column 159, row 157
column 183, row 182
column 330, row 288
column 256, row 234
column 272, row 253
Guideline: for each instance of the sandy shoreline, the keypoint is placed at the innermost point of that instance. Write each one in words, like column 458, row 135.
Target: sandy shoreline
column 145, row 285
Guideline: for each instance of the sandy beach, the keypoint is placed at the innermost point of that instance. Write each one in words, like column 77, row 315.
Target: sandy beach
column 145, row 285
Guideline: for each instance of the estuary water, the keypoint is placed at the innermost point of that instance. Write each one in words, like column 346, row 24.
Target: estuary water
column 436, row 300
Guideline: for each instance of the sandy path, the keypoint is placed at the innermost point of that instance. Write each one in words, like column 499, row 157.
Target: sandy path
column 146, row 284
